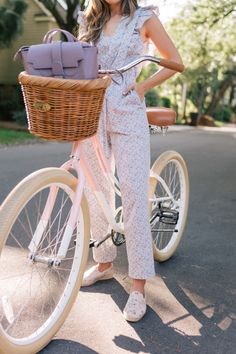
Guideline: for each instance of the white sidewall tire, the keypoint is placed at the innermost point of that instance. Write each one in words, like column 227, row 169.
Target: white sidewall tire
column 157, row 167
column 8, row 212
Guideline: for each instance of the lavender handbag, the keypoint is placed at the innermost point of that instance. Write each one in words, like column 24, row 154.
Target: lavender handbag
column 69, row 60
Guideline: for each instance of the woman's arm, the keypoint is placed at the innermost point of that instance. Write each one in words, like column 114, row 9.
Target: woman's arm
column 153, row 30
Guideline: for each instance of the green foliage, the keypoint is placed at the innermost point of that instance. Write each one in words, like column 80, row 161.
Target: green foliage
column 166, row 102
column 207, row 43
column 152, row 97
column 11, row 20
column 223, row 113
column 20, row 117
column 12, row 104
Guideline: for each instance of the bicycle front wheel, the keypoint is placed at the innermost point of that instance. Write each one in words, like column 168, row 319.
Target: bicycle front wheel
column 36, row 294
column 169, row 195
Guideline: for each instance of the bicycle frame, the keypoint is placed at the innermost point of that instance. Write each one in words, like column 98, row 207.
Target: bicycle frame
column 79, row 164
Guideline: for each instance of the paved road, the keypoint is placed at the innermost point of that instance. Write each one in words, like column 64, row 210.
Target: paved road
column 191, row 301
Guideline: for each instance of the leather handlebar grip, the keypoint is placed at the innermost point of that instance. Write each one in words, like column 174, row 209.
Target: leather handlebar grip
column 172, row 65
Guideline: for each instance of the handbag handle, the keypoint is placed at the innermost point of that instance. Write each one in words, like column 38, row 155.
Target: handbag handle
column 50, row 34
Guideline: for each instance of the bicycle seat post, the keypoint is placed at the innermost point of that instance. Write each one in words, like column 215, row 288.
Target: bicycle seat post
column 164, row 130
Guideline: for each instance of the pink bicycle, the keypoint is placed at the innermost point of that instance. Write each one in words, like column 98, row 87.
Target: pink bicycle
column 45, row 234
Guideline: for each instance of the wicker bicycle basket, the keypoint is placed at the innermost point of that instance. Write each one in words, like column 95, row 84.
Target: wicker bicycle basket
column 61, row 109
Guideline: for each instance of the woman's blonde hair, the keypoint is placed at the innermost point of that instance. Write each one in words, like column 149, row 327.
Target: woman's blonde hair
column 98, row 14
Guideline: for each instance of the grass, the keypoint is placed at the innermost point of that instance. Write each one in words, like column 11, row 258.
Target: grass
column 219, row 123
column 9, row 137
column 180, row 122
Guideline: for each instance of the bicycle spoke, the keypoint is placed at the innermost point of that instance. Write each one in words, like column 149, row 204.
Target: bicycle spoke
column 34, row 290
column 51, row 225
column 38, row 284
column 14, row 237
column 24, row 228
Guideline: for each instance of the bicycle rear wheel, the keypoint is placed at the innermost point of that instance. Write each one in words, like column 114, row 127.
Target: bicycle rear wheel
column 35, row 294
column 169, row 208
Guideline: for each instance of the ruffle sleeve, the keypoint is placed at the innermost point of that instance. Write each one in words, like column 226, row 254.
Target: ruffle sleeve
column 145, row 13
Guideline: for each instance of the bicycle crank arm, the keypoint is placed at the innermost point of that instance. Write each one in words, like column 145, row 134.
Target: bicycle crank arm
column 117, row 238
column 164, row 230
column 95, row 243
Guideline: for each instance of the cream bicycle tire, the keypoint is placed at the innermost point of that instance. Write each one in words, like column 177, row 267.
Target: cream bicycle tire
column 9, row 212
column 164, row 161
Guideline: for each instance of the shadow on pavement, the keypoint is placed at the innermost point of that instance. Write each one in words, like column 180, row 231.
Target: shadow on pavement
column 216, row 317
column 202, row 293
column 61, row 346
column 155, row 336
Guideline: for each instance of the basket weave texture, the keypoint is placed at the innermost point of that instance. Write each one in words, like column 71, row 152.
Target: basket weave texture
column 61, row 109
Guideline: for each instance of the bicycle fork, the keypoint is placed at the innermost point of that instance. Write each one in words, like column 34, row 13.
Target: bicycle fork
column 71, row 224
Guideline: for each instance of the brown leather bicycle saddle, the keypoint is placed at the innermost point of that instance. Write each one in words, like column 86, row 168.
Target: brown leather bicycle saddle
column 161, row 116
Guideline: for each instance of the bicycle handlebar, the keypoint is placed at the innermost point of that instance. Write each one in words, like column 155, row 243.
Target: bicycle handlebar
column 162, row 62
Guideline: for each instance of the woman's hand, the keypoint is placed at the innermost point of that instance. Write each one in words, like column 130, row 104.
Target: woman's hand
column 138, row 87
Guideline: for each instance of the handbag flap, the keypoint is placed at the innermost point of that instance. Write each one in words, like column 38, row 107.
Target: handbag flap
column 40, row 55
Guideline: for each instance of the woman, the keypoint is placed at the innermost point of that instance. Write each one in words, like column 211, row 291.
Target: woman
column 121, row 30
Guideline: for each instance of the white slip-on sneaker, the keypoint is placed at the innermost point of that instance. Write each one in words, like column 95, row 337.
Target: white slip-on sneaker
column 92, row 275
column 135, row 308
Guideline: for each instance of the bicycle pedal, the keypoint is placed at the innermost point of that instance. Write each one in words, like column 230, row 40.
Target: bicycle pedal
column 117, row 238
column 92, row 243
column 168, row 216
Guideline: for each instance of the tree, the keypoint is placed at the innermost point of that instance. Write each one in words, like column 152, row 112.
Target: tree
column 214, row 11
column 66, row 20
column 207, row 43
column 11, row 20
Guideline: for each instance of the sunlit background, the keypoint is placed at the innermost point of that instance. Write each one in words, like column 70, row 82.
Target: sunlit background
column 167, row 9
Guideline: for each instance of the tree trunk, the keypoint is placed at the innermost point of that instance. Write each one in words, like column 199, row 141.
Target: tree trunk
column 232, row 94
column 201, row 101
column 184, row 99
column 219, row 94
column 69, row 21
